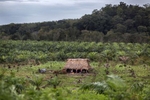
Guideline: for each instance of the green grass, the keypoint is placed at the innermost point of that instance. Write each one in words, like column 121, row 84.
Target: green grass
column 141, row 73
column 69, row 86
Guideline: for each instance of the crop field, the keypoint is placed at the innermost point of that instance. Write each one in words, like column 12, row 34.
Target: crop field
column 112, row 78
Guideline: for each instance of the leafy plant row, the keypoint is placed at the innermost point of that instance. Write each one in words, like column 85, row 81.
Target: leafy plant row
column 20, row 51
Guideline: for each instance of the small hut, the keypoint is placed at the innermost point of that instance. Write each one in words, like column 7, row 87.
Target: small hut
column 77, row 66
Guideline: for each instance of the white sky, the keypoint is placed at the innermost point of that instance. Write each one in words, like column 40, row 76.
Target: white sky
column 26, row 11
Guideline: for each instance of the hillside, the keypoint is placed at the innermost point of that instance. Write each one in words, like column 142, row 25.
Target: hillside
column 112, row 23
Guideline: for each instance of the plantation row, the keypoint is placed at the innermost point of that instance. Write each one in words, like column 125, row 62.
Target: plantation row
column 21, row 51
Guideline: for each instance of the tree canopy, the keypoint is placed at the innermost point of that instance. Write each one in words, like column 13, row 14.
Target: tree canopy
column 112, row 23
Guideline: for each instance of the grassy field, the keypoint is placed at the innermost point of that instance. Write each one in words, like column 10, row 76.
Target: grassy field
column 121, row 80
column 140, row 71
column 75, row 86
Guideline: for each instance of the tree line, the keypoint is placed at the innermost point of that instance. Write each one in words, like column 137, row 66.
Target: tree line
column 112, row 23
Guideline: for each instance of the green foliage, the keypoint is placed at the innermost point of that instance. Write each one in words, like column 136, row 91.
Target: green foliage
column 95, row 85
column 112, row 23
column 42, row 51
column 137, row 87
column 99, row 87
column 116, row 88
column 113, row 83
column 36, row 81
column 26, row 84
column 147, row 93
column 54, row 82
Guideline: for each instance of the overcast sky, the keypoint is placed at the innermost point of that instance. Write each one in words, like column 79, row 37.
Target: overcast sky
column 26, row 11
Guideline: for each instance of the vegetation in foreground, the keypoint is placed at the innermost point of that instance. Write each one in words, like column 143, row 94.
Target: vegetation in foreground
column 120, row 71
column 116, row 82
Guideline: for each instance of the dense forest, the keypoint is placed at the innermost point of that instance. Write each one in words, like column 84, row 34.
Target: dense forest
column 112, row 23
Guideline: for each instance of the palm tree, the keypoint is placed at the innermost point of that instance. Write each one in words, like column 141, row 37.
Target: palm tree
column 37, row 81
column 54, row 82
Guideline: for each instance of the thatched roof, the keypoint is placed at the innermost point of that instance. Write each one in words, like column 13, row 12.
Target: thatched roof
column 77, row 64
